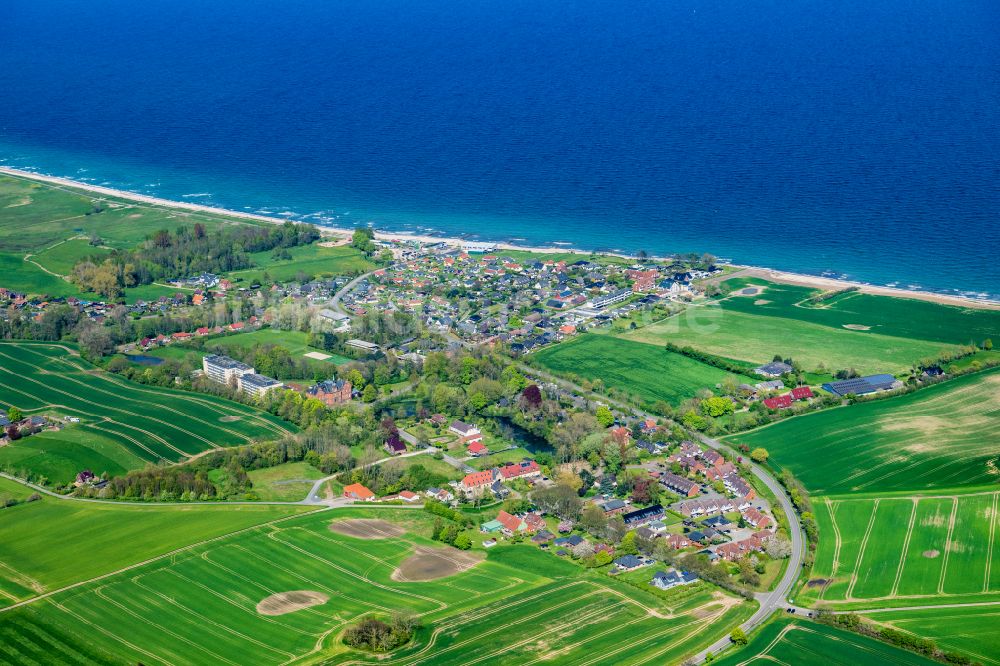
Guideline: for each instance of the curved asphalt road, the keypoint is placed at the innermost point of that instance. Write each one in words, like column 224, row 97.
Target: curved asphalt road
column 769, row 601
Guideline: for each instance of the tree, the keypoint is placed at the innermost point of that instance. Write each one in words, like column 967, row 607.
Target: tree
column 759, row 455
column 988, row 344
column 531, row 397
column 777, row 548
column 717, row 406
column 14, row 415
column 604, row 416
column 627, row 546
column 602, row 558
column 463, row 541
column 369, row 394
column 738, row 637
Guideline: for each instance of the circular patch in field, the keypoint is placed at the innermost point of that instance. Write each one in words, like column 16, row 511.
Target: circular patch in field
column 761, row 301
column 289, row 602
column 367, row 528
column 857, row 327
column 750, row 291
column 931, row 554
column 817, row 582
column 230, row 419
column 432, row 563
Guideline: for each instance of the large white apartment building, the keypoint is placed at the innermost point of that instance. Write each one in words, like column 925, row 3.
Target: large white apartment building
column 223, row 369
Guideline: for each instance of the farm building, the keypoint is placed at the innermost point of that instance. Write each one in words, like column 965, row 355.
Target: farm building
column 773, row 369
column 863, row 385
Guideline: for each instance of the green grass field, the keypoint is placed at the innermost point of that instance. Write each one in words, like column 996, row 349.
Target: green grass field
column 52, row 543
column 199, row 606
column 59, row 456
column 311, row 260
column 38, row 215
column 971, row 630
column 885, row 315
column 905, row 551
column 648, row 372
column 940, row 437
column 150, row 424
column 61, row 257
column 284, row 483
column 758, row 337
column 793, row 642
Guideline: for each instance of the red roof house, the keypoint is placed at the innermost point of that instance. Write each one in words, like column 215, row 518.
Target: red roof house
column 802, row 393
column 778, row 402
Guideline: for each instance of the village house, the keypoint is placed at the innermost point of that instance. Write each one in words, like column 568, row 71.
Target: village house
column 613, row 507
column 356, row 491
column 680, row 485
column 756, row 519
column 477, row 483
column 525, row 469
column 394, row 445
column 643, row 516
column 409, row 496
column 477, row 449
column 666, row 580
column 467, row 432
column 628, row 563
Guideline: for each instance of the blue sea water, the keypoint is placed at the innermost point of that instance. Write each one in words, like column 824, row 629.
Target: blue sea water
column 860, row 136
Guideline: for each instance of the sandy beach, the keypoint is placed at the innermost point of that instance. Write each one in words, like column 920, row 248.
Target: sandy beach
column 745, row 271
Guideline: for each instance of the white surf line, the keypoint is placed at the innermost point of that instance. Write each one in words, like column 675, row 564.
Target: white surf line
column 905, row 549
column 947, row 544
column 861, row 552
column 989, row 545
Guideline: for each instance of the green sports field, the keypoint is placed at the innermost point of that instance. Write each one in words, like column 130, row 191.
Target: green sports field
column 943, row 436
column 792, row 642
column 199, row 606
column 148, row 423
column 649, row 372
column 293, row 341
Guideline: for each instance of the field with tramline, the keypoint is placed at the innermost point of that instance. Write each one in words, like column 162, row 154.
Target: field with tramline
column 905, row 551
column 791, row 641
column 942, row 436
column 201, row 605
column 971, row 630
column 151, row 424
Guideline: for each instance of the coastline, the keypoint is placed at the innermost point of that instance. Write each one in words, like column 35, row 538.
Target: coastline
column 775, row 275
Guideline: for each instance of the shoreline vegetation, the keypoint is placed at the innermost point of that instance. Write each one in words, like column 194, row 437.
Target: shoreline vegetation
column 775, row 275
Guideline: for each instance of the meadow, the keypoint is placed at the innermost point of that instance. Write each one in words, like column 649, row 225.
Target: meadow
column 802, row 643
column 941, row 436
column 312, row 261
column 519, row 605
column 38, row 215
column 649, row 372
column 884, row 315
column 293, row 341
column 896, row 551
column 51, row 379
column 284, row 483
column 758, row 337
